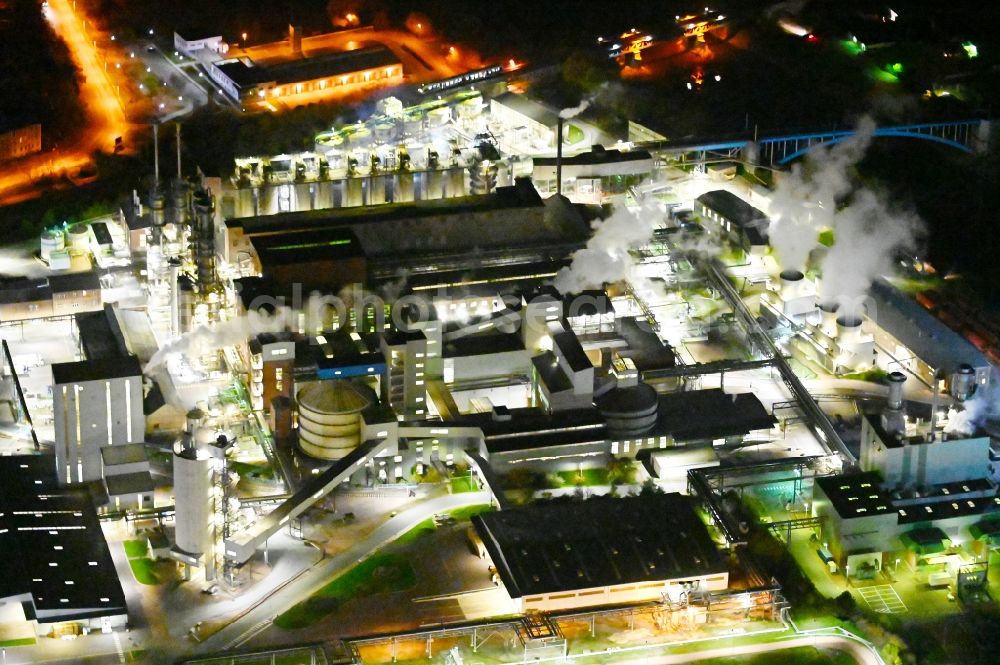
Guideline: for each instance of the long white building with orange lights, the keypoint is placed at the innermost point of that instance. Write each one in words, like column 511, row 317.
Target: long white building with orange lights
column 245, row 80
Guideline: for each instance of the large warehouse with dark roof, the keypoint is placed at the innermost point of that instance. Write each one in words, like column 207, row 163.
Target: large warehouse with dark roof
column 603, row 551
column 57, row 562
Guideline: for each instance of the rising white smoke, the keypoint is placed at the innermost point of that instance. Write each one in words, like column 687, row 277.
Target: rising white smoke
column 607, row 256
column 976, row 412
column 821, row 194
column 868, row 233
column 574, row 111
column 16, row 264
column 806, row 197
column 205, row 339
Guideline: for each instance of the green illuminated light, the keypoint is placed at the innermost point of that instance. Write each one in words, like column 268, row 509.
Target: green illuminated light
column 970, row 49
column 310, row 245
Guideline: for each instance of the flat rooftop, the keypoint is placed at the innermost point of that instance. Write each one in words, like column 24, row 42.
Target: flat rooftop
column 96, row 370
column 710, row 414
column 53, row 545
column 245, row 73
column 856, row 495
column 565, row 546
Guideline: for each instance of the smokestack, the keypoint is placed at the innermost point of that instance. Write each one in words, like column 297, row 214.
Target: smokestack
column 828, row 312
column 559, row 142
column 791, row 284
column 896, row 381
column 156, row 155
column 175, row 312
column 849, row 330
column 893, row 417
column 178, row 151
column 963, row 383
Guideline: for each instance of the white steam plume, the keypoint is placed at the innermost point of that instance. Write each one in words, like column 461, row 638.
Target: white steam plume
column 574, row 111
column 607, row 256
column 976, row 412
column 806, row 197
column 867, row 234
column 205, row 339
column 16, row 264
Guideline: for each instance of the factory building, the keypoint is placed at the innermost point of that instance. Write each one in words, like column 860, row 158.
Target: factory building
column 593, row 176
column 23, row 299
column 921, row 488
column 533, row 121
column 58, row 568
column 21, row 141
column 194, row 40
column 244, row 80
column 911, row 339
column 604, row 551
column 96, row 402
column 732, row 219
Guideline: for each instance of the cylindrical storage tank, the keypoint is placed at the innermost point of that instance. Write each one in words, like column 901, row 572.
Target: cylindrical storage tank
column 456, row 182
column 963, row 383
column 828, row 313
column 896, row 381
column 52, row 240
column 439, row 117
column 78, row 238
column 413, row 124
column 791, row 282
column 195, row 418
column 404, row 187
column 385, row 132
column 193, row 501
column 376, row 190
column 629, row 411
column 330, row 418
column 281, row 419
column 848, row 330
column 434, row 184
column 470, row 108
column 353, row 195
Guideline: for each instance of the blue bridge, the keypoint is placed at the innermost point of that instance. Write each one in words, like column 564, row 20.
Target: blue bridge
column 964, row 135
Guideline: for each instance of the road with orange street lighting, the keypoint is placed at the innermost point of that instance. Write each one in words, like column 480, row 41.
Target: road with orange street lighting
column 30, row 177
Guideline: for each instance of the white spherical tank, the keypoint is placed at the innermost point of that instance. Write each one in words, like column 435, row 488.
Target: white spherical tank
column 52, row 240
column 330, row 418
column 193, row 474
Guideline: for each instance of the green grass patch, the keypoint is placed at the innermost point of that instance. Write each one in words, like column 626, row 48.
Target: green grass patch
column 135, row 655
column 573, row 134
column 873, row 375
column 135, row 549
column 380, row 573
column 798, row 656
column 144, row 570
column 245, row 470
column 421, row 530
column 462, row 484
column 20, row 642
column 468, row 512
column 585, row 478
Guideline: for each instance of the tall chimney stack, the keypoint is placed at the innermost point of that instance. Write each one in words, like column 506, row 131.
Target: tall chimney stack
column 559, row 148
column 156, row 154
column 178, row 151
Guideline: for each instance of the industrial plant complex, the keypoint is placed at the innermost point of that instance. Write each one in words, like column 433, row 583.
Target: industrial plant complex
column 473, row 366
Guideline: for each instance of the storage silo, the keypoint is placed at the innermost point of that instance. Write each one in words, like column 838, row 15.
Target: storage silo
column 52, row 240
column 330, row 418
column 194, row 503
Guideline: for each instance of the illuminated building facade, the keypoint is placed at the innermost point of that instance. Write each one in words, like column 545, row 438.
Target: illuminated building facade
column 20, row 141
column 244, row 80
column 95, row 403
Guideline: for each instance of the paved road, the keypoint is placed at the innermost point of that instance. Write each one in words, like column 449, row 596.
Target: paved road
column 258, row 618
